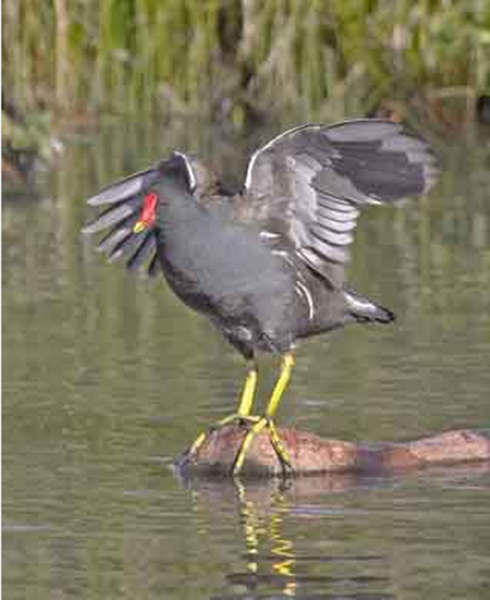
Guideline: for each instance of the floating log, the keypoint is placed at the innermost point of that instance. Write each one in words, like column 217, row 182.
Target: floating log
column 313, row 455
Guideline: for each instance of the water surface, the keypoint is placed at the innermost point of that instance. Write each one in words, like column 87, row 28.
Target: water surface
column 107, row 378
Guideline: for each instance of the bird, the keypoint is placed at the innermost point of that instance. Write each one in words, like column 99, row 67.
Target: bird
column 267, row 263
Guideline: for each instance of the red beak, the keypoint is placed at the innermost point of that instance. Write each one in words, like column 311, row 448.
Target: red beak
column 147, row 215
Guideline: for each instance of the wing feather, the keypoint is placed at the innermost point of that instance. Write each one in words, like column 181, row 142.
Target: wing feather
column 125, row 200
column 309, row 184
column 115, row 235
column 154, row 266
column 146, row 249
column 124, row 188
column 112, row 216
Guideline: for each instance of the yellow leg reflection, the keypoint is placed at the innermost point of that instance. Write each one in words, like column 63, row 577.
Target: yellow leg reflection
column 282, row 548
column 258, row 530
column 252, row 528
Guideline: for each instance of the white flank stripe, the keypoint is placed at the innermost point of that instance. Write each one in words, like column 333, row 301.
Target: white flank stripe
column 269, row 235
column 305, row 293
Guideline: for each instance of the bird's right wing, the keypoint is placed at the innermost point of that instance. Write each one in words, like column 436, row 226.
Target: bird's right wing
column 124, row 202
column 308, row 184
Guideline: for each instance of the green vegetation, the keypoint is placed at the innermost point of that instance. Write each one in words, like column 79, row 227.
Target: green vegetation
column 239, row 58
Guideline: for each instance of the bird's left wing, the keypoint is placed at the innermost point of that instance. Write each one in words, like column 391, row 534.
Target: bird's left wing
column 307, row 185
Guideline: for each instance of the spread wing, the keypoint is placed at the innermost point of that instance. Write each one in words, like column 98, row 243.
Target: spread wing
column 123, row 202
column 309, row 184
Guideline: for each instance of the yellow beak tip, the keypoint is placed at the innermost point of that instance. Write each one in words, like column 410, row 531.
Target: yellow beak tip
column 138, row 227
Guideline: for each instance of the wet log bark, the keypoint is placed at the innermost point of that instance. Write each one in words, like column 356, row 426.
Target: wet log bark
column 312, row 455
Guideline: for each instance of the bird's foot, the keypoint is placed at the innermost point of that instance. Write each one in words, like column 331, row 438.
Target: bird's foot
column 275, row 440
column 234, row 418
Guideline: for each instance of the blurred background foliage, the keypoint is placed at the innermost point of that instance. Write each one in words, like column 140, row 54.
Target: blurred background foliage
column 320, row 57
column 104, row 376
column 67, row 63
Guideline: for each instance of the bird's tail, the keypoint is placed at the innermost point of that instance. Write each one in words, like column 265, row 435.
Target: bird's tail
column 364, row 310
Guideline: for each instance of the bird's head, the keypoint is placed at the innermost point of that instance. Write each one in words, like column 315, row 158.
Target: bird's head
column 181, row 175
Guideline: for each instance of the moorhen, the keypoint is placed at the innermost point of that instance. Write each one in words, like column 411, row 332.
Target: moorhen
column 266, row 264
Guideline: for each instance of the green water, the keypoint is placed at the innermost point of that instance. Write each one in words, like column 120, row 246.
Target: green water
column 107, row 378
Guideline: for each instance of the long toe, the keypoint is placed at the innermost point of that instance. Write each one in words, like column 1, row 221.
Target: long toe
column 247, row 440
column 236, row 418
column 276, row 443
column 280, row 449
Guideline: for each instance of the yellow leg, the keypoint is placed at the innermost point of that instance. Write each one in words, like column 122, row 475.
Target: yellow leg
column 281, row 384
column 247, row 440
column 248, row 393
column 284, row 377
column 243, row 413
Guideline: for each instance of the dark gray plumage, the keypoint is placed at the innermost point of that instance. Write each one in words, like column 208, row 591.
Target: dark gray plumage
column 267, row 265
column 317, row 178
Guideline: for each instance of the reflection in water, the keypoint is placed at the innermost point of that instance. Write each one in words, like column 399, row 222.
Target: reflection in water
column 102, row 370
column 282, row 549
column 274, row 565
column 273, row 515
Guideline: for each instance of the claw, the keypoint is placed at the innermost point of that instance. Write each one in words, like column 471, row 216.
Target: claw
column 238, row 418
column 198, row 442
column 281, row 451
column 243, row 417
column 275, row 440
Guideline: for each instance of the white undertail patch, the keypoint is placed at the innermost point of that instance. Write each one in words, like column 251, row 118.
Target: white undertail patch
column 359, row 303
